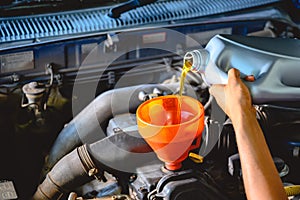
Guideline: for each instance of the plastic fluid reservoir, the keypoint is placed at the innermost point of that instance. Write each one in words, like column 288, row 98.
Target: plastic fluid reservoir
column 273, row 62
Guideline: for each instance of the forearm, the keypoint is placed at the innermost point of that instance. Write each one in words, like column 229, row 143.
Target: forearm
column 260, row 176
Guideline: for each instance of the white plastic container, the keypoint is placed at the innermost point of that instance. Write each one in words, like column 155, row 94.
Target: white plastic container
column 274, row 63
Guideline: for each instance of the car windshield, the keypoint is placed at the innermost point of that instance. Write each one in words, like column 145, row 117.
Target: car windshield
column 32, row 7
column 31, row 21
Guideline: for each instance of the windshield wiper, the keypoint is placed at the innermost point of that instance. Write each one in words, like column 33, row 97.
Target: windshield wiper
column 124, row 7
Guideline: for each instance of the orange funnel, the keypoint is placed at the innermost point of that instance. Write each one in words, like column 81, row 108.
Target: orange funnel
column 172, row 126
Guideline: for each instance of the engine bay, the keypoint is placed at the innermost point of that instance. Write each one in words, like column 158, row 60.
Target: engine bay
column 68, row 101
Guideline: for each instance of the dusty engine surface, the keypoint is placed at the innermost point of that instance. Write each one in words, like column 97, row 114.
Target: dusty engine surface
column 72, row 80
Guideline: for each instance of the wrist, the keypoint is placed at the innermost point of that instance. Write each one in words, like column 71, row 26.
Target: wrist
column 241, row 115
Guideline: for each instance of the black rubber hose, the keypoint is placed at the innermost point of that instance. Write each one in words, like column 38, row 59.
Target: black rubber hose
column 89, row 125
column 66, row 175
column 112, row 154
column 122, row 153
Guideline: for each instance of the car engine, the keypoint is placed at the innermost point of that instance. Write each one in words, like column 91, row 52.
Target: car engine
column 73, row 74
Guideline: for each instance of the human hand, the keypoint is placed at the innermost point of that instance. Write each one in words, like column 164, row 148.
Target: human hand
column 234, row 97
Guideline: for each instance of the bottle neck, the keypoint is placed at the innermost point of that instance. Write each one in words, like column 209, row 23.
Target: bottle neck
column 198, row 58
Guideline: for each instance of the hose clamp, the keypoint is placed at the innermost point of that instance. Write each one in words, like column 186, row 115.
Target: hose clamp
column 88, row 164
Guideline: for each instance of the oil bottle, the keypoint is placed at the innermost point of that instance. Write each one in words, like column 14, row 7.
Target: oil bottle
column 274, row 64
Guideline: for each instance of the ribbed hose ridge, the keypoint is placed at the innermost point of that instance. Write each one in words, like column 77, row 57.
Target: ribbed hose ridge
column 71, row 171
column 292, row 190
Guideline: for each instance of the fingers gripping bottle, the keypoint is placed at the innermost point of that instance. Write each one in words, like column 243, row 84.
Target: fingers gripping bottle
column 273, row 63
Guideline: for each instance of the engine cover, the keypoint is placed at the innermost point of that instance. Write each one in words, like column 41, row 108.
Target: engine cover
column 187, row 184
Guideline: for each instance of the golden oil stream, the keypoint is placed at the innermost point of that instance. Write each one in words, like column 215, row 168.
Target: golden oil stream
column 187, row 65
